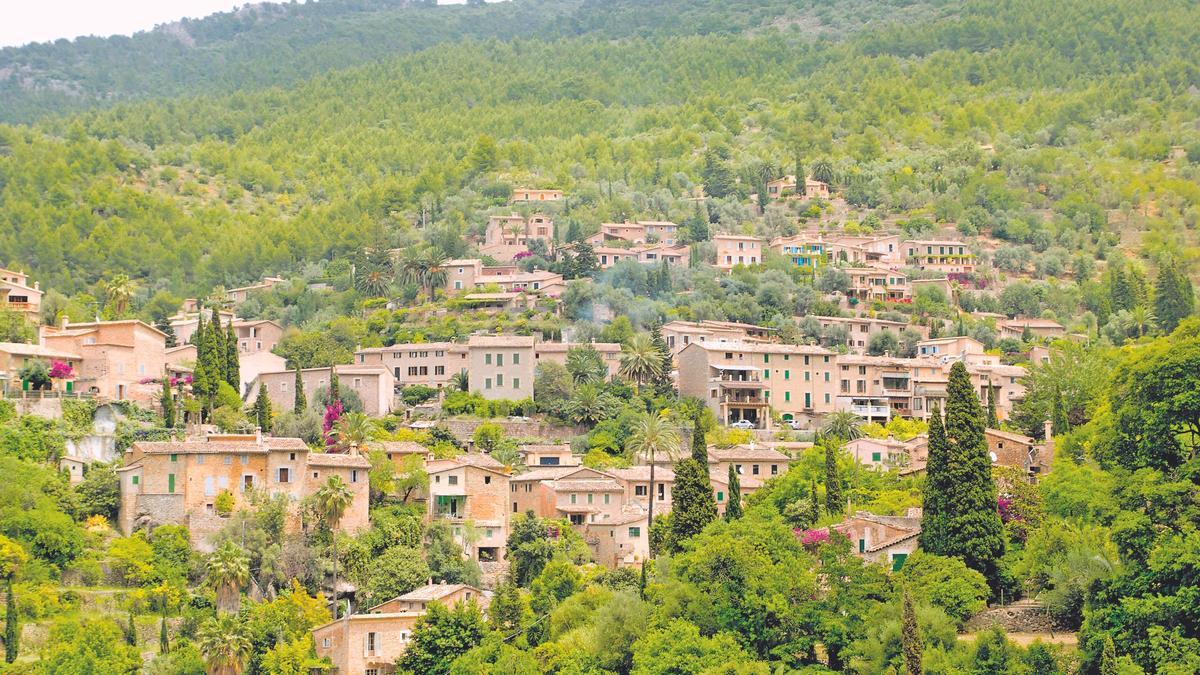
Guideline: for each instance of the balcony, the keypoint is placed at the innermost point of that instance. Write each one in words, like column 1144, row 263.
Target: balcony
column 743, row 399
column 870, row 410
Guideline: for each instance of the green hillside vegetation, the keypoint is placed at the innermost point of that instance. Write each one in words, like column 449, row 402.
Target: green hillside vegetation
column 194, row 193
column 269, row 44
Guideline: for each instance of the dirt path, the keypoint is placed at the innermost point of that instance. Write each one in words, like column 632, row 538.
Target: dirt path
column 1026, row 639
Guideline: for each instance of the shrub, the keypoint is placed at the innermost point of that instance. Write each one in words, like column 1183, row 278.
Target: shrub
column 946, row 583
column 224, row 503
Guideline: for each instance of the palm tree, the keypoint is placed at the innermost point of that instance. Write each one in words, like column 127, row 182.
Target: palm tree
column 585, row 364
column 333, row 498
column 119, row 292
column 1141, row 319
column 423, row 267
column 651, row 434
column 372, row 280
column 228, row 570
column 822, row 170
column 354, row 431
column 640, row 359
column 590, row 404
column 842, row 424
column 225, row 644
column 460, row 381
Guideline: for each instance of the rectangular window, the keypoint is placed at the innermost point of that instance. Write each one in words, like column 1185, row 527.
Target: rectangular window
column 499, row 360
column 199, row 459
column 171, row 483
column 635, row 532
column 516, row 383
column 174, row 457
column 787, row 374
column 354, row 475
column 487, row 383
column 516, row 359
column 285, row 475
column 720, row 496
column 875, row 456
column 499, row 379
column 573, row 498
column 135, row 480
column 774, row 469
column 227, row 460
column 606, row 497
column 487, row 359
column 639, row 490
column 452, row 480
column 787, row 396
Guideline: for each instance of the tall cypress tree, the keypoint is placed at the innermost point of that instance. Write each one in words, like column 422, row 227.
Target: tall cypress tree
column 815, row 502
column 733, row 510
column 663, row 381
column 933, row 510
column 215, row 350
column 12, row 631
column 911, row 638
column 993, row 422
column 1174, row 297
column 233, row 368
column 168, row 403
column 262, row 409
column 1059, row 422
column 699, row 443
column 200, row 372
column 335, row 387
column 693, row 503
column 833, row 486
column 301, row 402
column 965, row 523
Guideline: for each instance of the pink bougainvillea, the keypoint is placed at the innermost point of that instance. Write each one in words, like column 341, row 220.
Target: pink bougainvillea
column 333, row 412
column 60, row 370
column 812, row 538
column 1005, row 506
column 522, row 255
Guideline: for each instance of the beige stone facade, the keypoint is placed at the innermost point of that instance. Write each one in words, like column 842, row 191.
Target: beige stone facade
column 18, row 296
column 884, row 540
column 178, row 482
column 524, row 195
column 940, row 255
column 15, row 355
column 746, row 381
column 734, row 249
column 471, row 491
column 120, row 360
column 373, row 383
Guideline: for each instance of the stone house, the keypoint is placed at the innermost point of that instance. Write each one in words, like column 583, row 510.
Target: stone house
column 522, row 195
column 18, row 296
column 14, row 356
column 375, row 639
column 736, row 249
column 373, row 383
column 178, row 482
column 749, row 380
column 884, row 540
column 120, row 360
column 471, row 491
column 243, row 293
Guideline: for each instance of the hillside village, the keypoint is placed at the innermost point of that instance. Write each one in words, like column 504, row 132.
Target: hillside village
column 510, row 444
column 365, row 337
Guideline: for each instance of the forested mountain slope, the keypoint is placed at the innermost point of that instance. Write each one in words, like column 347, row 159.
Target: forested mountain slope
column 1081, row 100
column 276, row 44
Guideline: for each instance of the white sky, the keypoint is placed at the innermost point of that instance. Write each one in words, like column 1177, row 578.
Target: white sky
column 24, row 21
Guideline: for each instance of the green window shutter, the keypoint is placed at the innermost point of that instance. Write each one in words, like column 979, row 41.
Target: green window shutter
column 875, row 457
column 898, row 561
column 862, row 545
column 787, row 395
column 807, row 400
column 171, row 483
column 787, row 374
column 135, row 480
column 720, row 496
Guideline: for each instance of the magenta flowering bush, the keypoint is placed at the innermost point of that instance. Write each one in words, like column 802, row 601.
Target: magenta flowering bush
column 333, row 412
column 522, row 255
column 1007, row 513
column 812, row 538
column 60, row 370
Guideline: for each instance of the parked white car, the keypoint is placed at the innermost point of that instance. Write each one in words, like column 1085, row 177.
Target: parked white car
column 742, row 424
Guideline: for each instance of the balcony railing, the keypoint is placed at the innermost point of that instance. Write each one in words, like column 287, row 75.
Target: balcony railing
column 42, row 394
column 870, row 410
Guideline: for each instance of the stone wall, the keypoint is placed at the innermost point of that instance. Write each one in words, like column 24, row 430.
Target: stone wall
column 463, row 429
column 150, row 511
column 1025, row 616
